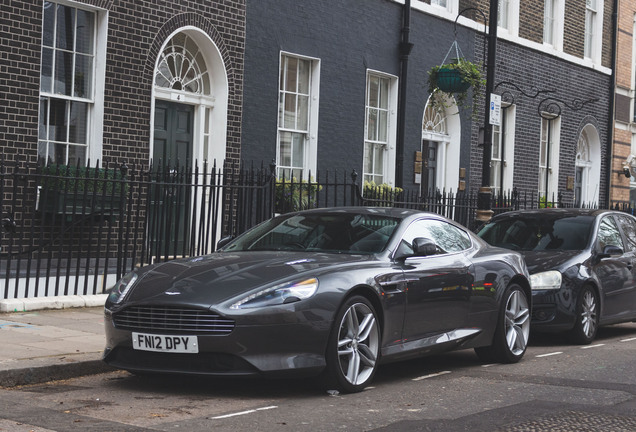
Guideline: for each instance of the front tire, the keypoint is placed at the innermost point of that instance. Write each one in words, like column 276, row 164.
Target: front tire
column 353, row 350
column 513, row 329
column 586, row 324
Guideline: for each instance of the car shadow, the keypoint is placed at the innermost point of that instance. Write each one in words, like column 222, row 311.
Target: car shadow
column 617, row 331
column 311, row 387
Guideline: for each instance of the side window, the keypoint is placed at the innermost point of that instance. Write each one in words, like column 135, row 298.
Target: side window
column 608, row 234
column 628, row 224
column 447, row 237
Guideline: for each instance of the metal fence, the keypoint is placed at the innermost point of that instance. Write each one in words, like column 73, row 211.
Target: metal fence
column 73, row 230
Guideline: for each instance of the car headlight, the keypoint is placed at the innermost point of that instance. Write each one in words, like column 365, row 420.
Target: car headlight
column 122, row 287
column 279, row 294
column 549, row 280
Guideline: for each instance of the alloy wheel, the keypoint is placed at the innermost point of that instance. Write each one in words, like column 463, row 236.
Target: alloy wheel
column 517, row 322
column 588, row 314
column 358, row 344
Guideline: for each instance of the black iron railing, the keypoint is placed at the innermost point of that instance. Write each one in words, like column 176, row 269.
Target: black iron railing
column 73, row 230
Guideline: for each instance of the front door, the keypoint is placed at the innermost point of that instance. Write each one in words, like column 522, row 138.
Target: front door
column 578, row 186
column 429, row 167
column 170, row 197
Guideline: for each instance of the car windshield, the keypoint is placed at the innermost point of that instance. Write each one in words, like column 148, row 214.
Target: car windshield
column 337, row 233
column 539, row 233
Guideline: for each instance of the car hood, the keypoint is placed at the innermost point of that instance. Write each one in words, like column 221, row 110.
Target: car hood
column 538, row 261
column 215, row 278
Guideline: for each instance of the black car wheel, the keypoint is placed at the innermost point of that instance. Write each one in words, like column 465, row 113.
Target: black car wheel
column 513, row 329
column 354, row 346
column 586, row 323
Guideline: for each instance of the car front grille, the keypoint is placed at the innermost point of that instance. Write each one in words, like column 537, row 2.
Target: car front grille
column 157, row 319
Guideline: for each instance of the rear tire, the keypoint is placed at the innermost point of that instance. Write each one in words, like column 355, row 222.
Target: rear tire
column 586, row 324
column 513, row 329
column 353, row 350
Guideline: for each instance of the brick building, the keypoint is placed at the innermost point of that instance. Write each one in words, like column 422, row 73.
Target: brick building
column 549, row 144
column 623, row 185
column 96, row 79
column 318, row 88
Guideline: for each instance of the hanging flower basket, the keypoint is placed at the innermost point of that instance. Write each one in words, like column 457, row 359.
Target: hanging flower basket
column 454, row 78
column 450, row 80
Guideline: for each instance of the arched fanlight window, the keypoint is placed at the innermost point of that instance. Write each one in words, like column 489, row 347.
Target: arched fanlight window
column 434, row 120
column 182, row 67
column 583, row 149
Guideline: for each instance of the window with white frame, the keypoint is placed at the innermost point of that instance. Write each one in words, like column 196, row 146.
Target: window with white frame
column 67, row 83
column 553, row 22
column 502, row 156
column 295, row 125
column 503, row 15
column 379, row 130
column 496, row 160
column 549, row 157
column 549, row 21
column 508, row 16
column 441, row 3
column 590, row 27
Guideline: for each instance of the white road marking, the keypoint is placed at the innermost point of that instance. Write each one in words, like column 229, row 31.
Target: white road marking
column 592, row 346
column 488, row 365
column 244, row 412
column 431, row 375
column 550, row 354
column 628, row 340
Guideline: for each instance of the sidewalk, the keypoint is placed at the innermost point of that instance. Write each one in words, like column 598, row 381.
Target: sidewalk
column 48, row 339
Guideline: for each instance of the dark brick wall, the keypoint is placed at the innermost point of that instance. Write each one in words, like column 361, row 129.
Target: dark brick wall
column 572, row 84
column 349, row 37
column 136, row 30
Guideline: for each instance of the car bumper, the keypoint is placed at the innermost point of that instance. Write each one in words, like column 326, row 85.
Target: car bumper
column 285, row 347
column 553, row 310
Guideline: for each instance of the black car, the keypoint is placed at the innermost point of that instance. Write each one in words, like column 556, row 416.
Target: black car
column 326, row 291
column 582, row 266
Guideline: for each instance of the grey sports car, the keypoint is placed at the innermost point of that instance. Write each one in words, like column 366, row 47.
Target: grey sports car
column 329, row 292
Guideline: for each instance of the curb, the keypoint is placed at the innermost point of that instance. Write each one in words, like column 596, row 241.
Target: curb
column 58, row 302
column 38, row 375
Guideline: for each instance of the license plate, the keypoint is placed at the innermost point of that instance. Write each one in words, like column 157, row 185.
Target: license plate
column 165, row 343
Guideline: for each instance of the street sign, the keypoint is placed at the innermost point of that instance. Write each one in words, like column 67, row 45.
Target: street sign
column 495, row 109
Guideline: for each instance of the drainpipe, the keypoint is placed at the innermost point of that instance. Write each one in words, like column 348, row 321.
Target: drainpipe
column 612, row 97
column 405, row 50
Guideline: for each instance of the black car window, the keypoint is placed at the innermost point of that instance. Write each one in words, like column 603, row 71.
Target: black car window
column 608, row 234
column 330, row 232
column 539, row 232
column 628, row 225
column 447, row 237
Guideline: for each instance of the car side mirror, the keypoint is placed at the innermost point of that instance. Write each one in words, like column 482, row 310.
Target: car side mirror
column 610, row 250
column 424, row 247
column 224, row 241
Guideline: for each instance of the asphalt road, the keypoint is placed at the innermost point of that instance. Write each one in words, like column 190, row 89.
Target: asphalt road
column 556, row 387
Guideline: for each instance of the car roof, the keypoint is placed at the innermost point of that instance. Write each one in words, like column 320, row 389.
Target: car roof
column 396, row 212
column 552, row 213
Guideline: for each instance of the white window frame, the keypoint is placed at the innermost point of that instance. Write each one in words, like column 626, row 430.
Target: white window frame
column 593, row 32
column 507, row 147
column 553, row 165
column 95, row 108
column 511, row 24
column 557, row 24
column 310, row 134
column 388, row 171
column 449, row 11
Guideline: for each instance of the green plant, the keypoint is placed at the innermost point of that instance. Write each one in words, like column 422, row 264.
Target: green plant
column 544, row 203
column 384, row 194
column 90, row 179
column 471, row 76
column 294, row 195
